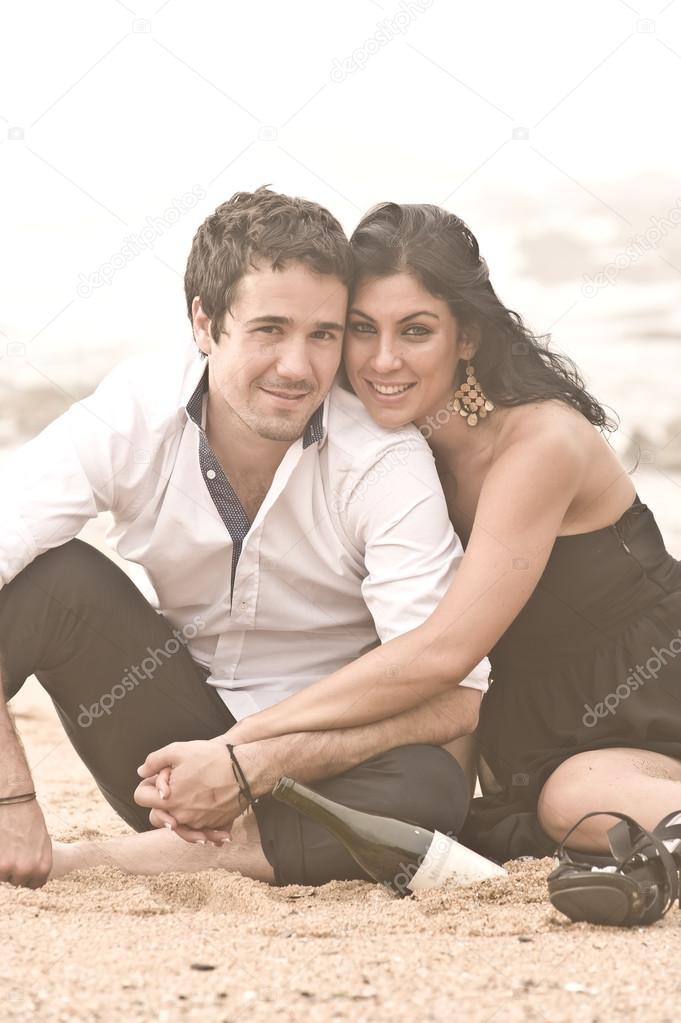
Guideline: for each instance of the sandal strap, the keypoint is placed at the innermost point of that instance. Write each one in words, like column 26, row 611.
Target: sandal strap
column 627, row 838
column 669, row 828
column 561, row 852
column 642, row 843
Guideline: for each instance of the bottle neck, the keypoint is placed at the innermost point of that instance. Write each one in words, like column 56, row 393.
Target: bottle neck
column 334, row 816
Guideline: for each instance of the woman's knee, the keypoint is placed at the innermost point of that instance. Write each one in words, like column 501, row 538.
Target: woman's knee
column 560, row 805
column 588, row 782
column 616, row 779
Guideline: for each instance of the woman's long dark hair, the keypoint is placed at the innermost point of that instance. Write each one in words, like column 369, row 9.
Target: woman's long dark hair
column 512, row 364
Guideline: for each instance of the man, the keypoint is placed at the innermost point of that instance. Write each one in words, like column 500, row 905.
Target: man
column 284, row 534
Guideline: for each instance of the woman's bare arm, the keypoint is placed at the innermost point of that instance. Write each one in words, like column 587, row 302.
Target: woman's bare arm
column 520, row 510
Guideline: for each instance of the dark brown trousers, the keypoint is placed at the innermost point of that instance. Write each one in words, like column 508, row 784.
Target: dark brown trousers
column 123, row 686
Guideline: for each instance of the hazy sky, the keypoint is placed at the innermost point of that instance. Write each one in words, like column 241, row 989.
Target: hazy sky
column 552, row 128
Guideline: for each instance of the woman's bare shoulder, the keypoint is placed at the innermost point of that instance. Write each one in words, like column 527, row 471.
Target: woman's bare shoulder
column 553, row 421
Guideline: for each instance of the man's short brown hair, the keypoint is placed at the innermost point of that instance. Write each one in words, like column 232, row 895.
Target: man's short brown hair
column 260, row 226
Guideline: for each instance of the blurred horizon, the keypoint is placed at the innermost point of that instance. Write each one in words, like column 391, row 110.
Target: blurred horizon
column 549, row 130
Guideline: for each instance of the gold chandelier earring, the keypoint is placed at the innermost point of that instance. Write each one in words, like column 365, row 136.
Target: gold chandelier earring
column 469, row 400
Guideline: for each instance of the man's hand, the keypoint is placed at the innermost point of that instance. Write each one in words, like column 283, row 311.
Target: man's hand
column 25, row 846
column 201, row 793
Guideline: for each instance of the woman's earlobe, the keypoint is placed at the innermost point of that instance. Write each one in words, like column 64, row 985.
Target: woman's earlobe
column 471, row 337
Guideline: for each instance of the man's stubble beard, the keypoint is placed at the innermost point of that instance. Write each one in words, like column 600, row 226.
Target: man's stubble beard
column 277, row 430
column 273, row 427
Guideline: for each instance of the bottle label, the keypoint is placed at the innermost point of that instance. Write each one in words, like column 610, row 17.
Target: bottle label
column 447, row 860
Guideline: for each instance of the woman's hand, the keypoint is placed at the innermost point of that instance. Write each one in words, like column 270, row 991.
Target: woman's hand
column 190, row 787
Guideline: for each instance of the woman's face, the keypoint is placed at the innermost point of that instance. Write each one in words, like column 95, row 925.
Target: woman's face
column 402, row 347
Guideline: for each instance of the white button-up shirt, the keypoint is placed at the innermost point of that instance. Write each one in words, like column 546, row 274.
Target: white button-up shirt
column 351, row 546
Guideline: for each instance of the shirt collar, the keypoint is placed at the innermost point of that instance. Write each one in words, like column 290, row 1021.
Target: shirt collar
column 315, row 431
column 194, row 406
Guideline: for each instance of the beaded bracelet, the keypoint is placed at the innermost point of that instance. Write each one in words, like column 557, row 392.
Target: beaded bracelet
column 240, row 778
column 25, row 797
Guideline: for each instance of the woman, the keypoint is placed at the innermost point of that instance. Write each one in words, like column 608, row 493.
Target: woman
column 565, row 579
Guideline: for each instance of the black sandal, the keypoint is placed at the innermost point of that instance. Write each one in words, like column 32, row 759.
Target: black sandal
column 638, row 885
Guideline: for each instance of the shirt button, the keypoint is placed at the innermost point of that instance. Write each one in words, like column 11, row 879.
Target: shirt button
column 211, row 474
column 243, row 605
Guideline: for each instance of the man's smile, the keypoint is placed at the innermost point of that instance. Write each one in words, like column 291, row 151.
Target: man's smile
column 284, row 396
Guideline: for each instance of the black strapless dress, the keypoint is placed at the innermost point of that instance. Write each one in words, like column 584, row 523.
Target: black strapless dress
column 592, row 661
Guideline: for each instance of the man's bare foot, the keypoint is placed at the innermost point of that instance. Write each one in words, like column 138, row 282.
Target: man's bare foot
column 160, row 851
column 67, row 857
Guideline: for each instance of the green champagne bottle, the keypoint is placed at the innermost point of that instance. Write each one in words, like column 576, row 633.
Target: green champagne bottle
column 404, row 857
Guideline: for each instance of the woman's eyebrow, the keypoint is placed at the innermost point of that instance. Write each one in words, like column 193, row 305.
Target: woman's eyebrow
column 423, row 312
column 358, row 312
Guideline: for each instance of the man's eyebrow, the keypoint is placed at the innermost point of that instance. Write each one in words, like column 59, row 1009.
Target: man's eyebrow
column 411, row 316
column 329, row 325
column 283, row 321
column 286, row 321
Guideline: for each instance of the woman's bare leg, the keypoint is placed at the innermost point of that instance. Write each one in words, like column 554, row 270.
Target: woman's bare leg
column 644, row 785
column 160, row 851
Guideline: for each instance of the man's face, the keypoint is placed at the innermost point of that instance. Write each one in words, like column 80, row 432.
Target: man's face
column 279, row 350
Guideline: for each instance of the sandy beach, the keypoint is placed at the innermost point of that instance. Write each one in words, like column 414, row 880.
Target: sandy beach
column 103, row 945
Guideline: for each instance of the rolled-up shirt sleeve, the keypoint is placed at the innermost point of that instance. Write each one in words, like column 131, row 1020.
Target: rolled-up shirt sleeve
column 52, row 485
column 412, row 553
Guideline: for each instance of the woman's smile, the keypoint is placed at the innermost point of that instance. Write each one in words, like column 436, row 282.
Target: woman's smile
column 387, row 393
